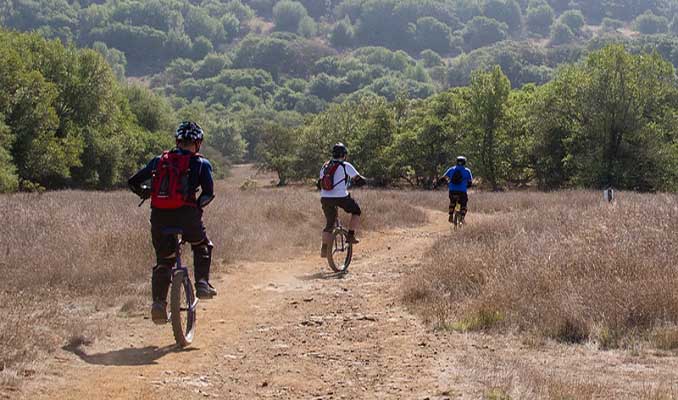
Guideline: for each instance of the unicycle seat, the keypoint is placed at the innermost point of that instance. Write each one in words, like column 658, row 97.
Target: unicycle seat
column 172, row 230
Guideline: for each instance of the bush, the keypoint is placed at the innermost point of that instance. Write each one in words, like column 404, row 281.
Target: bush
column 561, row 34
column 611, row 25
column 587, row 288
column 649, row 24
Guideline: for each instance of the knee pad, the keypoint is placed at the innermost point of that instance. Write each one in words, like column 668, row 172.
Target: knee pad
column 162, row 269
column 160, row 281
column 202, row 259
column 203, row 248
column 167, row 257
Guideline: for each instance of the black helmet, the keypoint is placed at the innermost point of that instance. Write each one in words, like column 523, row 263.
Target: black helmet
column 189, row 130
column 461, row 160
column 339, row 150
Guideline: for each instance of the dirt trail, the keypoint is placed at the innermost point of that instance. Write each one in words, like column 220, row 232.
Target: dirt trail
column 286, row 329
column 292, row 330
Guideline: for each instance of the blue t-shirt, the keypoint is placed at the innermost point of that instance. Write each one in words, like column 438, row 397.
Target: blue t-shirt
column 467, row 178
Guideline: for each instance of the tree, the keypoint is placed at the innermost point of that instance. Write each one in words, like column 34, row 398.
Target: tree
column 540, row 19
column 307, row 27
column 648, row 23
column 201, row 48
column 561, row 34
column 277, row 151
column 9, row 181
column 69, row 120
column 608, row 119
column 324, row 86
column 432, row 34
column 231, row 26
column 574, row 19
column 489, row 93
column 342, row 34
column 431, row 132
column 288, row 14
column 152, row 112
column 115, row 58
column 506, row 11
column 482, row 31
column 431, row 58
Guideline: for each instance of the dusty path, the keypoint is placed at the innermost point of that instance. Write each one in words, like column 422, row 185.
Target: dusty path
column 291, row 330
column 277, row 330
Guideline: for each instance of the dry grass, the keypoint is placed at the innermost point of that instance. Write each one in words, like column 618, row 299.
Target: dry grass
column 73, row 259
column 521, row 381
column 562, row 265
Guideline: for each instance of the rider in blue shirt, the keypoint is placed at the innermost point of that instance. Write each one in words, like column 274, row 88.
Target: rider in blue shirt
column 459, row 179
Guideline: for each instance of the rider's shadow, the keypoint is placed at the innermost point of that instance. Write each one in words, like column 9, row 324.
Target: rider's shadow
column 132, row 356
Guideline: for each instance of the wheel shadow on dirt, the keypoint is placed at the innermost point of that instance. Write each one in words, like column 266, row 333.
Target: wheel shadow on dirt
column 132, row 356
column 322, row 276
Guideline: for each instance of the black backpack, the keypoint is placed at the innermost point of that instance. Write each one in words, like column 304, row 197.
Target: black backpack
column 457, row 177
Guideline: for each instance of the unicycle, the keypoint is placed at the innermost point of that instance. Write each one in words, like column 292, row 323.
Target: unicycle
column 339, row 256
column 457, row 219
column 183, row 302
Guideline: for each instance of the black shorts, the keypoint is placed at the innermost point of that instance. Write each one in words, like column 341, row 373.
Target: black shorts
column 458, row 197
column 330, row 205
column 189, row 219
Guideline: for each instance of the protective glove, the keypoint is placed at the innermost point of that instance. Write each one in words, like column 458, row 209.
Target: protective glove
column 204, row 200
column 359, row 181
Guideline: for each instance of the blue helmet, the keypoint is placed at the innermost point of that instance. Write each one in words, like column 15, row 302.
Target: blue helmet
column 189, row 130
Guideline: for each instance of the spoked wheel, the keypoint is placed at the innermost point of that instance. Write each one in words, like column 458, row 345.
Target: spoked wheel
column 340, row 255
column 183, row 305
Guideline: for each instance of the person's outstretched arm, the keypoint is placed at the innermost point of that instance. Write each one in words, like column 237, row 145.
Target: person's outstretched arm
column 206, row 184
column 137, row 180
column 357, row 180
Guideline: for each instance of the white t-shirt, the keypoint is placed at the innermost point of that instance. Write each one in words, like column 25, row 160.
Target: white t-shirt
column 340, row 181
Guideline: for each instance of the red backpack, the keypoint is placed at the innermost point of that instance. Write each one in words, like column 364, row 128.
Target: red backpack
column 329, row 169
column 170, row 188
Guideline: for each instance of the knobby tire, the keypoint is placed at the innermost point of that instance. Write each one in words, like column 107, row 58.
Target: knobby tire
column 340, row 265
column 183, row 321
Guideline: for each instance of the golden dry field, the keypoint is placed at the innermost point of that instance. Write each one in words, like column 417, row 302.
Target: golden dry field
column 544, row 296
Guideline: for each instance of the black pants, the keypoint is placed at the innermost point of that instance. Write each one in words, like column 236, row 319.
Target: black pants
column 189, row 219
column 461, row 198
column 330, row 205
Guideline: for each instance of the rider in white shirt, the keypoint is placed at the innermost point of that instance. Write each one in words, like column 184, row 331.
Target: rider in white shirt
column 334, row 194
